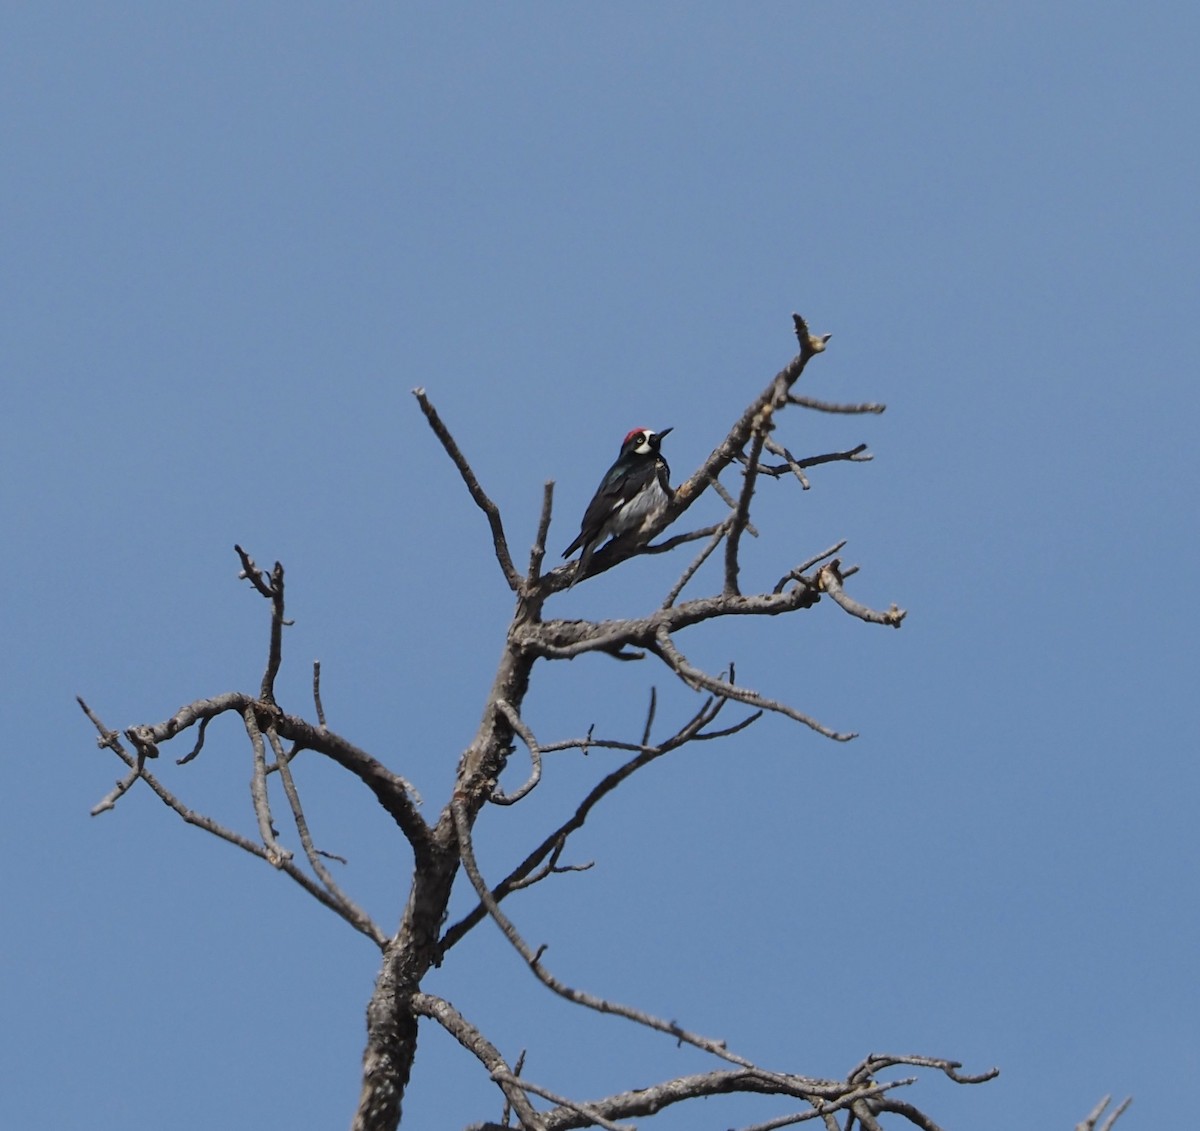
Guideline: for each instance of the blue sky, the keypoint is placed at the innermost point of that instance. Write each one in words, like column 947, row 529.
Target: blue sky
column 237, row 236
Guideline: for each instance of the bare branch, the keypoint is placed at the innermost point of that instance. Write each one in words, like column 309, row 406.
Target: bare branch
column 697, row 562
column 258, row 790
column 515, row 721
column 350, row 908
column 698, row 679
column 396, row 795
column 680, row 539
column 693, row 729
column 552, row 867
column 790, row 463
column 534, row 960
column 538, row 553
column 826, row 406
column 199, row 743
column 317, row 704
column 441, row 1011
column 876, row 1062
column 273, row 591
column 827, row 1096
column 485, row 504
column 732, row 503
column 650, row 713
column 741, row 514
column 797, row 573
column 516, row 1072
column 830, row 579
column 857, row 454
column 587, row 1111
column 1092, row 1122
column 111, row 740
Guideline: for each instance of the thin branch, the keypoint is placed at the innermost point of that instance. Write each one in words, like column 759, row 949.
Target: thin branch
column 827, row 406
column 394, row 793
column 913, row 1114
column 1092, row 1122
column 485, row 504
column 732, row 503
column 111, row 740
column 790, row 463
column 857, row 454
column 681, row 539
column 697, row 562
column 651, row 711
column 504, row 1117
column 830, row 579
column 579, row 997
column 273, row 591
column 826, row 1096
column 741, row 514
column 352, row 910
column 552, row 867
column 320, row 707
column 797, row 573
column 586, row 1110
column 258, row 791
column 698, row 679
column 199, row 743
column 506, row 709
column 876, row 1062
column 467, row 1035
column 538, row 553
column 692, row 730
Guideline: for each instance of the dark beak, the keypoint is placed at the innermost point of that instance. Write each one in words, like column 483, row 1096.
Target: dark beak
column 664, row 432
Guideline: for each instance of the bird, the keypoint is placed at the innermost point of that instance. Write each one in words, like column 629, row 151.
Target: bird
column 632, row 493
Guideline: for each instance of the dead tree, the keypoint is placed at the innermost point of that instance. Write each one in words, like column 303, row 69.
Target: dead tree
column 443, row 850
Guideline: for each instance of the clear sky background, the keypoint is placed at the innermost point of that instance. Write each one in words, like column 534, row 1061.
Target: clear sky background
column 234, row 238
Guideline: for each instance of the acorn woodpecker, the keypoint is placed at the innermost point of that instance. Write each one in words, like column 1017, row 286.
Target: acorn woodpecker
column 632, row 493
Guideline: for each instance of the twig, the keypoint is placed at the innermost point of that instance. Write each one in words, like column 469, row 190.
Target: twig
column 693, row 729
column 650, row 713
column 797, row 573
column 504, row 1117
column 320, row 707
column 697, row 562
column 538, row 553
column 741, row 514
column 534, row 960
column 506, row 709
column 258, row 791
column 696, row 678
column 680, row 539
column 112, row 741
column 827, row 406
column 732, row 503
column 394, row 793
column 467, row 1035
column 876, row 1062
column 790, row 463
column 586, row 1110
column 273, row 591
column 352, row 910
column 857, row 454
column 485, row 504
column 1092, row 1122
column 830, row 579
